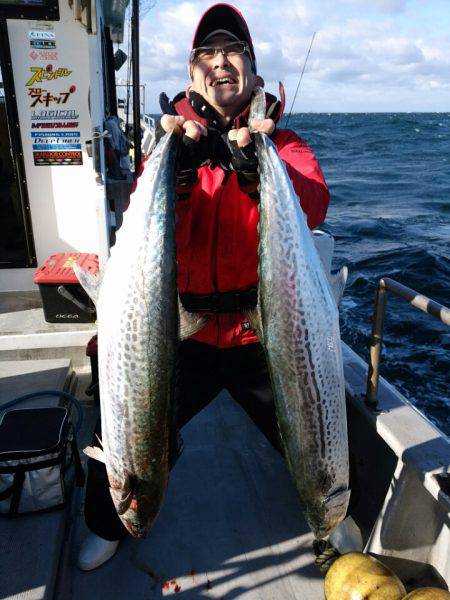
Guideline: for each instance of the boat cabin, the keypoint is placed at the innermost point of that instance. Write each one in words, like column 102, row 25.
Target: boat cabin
column 57, row 91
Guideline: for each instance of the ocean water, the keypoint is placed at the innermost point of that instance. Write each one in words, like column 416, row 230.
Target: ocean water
column 389, row 178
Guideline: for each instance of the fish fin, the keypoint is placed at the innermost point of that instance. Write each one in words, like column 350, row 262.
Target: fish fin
column 337, row 283
column 347, row 537
column 95, row 453
column 324, row 243
column 254, row 318
column 90, row 281
column 189, row 323
column 123, row 495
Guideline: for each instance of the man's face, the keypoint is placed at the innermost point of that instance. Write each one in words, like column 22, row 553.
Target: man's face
column 226, row 97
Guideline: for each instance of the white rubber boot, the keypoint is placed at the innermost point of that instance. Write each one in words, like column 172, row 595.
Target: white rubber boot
column 95, row 551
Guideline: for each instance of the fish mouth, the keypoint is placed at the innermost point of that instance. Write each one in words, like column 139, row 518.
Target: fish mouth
column 136, row 530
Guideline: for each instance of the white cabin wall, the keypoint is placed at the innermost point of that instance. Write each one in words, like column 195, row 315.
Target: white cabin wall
column 68, row 209
column 97, row 117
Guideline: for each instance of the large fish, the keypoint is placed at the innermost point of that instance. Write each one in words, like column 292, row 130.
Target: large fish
column 139, row 322
column 297, row 321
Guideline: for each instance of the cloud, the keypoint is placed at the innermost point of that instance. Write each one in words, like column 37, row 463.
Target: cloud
column 386, row 53
column 395, row 51
column 391, row 6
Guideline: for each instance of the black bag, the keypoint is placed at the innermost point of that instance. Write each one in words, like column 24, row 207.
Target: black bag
column 37, row 447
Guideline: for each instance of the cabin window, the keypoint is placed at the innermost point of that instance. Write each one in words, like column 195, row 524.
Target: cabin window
column 109, row 74
column 16, row 240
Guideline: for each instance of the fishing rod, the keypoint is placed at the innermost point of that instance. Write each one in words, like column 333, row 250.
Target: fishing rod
column 300, row 80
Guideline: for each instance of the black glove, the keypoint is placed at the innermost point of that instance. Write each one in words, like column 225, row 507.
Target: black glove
column 194, row 154
column 243, row 159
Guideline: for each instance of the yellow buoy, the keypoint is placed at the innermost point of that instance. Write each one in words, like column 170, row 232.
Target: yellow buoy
column 357, row 576
column 428, row 593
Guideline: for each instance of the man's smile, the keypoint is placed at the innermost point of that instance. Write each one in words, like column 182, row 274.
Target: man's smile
column 224, row 79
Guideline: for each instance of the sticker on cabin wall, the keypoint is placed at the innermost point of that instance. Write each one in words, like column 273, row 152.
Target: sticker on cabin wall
column 39, row 34
column 43, row 55
column 43, row 44
column 41, row 96
column 56, row 147
column 42, row 38
column 56, row 140
column 56, row 125
column 54, row 115
column 57, row 158
column 40, row 74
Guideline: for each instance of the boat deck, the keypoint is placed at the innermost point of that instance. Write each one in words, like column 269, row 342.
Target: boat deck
column 30, row 544
column 231, row 526
column 25, row 335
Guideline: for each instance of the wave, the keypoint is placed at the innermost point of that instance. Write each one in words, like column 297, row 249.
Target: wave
column 390, row 201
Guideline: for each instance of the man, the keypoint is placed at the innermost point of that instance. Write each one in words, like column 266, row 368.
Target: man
column 217, row 241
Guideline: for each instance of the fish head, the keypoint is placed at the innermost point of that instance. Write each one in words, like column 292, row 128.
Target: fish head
column 138, row 518
column 324, row 516
column 137, row 503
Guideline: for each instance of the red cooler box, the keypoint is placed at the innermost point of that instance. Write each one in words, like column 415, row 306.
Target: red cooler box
column 64, row 300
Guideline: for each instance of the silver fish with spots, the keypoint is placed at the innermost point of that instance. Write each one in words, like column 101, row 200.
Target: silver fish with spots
column 139, row 322
column 297, row 321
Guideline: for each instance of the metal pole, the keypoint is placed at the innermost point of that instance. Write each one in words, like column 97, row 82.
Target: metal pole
column 376, row 342
column 418, row 300
column 136, row 87
column 415, row 299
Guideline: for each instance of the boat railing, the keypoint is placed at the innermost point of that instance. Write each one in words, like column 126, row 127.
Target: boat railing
column 376, row 341
column 148, row 136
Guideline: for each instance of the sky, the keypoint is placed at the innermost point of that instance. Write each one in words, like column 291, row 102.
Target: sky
column 367, row 56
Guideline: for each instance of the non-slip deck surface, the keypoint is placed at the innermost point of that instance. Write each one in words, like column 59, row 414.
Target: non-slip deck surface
column 30, row 544
column 231, row 526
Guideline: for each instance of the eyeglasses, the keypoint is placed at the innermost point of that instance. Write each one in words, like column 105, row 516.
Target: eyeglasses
column 208, row 52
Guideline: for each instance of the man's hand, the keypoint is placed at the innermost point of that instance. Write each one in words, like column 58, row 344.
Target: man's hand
column 192, row 129
column 242, row 135
column 243, row 151
column 196, row 147
column 172, row 123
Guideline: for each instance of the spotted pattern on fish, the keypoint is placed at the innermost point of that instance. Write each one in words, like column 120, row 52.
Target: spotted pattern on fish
column 137, row 335
column 299, row 328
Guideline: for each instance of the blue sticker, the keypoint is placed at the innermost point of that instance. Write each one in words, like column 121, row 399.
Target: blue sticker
column 43, row 44
column 56, row 146
column 41, row 35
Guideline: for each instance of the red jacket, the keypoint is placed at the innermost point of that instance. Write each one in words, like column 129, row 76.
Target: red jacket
column 217, row 237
